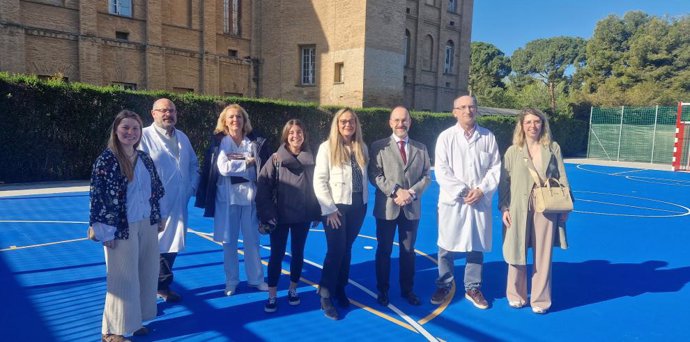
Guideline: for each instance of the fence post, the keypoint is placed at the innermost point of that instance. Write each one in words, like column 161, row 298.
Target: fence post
column 620, row 134
column 589, row 136
column 656, row 117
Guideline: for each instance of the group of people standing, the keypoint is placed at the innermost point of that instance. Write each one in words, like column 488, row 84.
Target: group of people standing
column 142, row 182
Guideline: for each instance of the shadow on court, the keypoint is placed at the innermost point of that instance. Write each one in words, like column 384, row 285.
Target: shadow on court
column 595, row 281
column 18, row 315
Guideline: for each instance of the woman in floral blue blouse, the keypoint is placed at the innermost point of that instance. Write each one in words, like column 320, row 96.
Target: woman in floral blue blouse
column 125, row 217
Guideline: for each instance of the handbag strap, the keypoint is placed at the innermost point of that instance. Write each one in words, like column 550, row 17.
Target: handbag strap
column 533, row 172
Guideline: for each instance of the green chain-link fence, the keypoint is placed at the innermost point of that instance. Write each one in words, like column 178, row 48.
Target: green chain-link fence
column 637, row 134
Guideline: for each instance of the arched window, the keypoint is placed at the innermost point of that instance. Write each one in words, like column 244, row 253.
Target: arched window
column 450, row 56
column 407, row 43
column 428, row 53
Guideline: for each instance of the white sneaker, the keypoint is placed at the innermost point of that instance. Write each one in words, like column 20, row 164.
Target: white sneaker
column 538, row 310
column 230, row 290
column 261, row 287
column 516, row 304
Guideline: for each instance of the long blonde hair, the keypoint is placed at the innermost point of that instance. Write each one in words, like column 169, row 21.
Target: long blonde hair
column 222, row 128
column 126, row 166
column 339, row 154
column 519, row 133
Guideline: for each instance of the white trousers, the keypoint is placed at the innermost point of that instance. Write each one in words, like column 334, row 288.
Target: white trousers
column 240, row 218
column 131, row 280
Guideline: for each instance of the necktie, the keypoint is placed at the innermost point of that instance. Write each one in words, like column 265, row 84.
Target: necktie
column 402, row 151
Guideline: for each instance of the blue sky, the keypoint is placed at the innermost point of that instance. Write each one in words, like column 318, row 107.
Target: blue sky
column 510, row 24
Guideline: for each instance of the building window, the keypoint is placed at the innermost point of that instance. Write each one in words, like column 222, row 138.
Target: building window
column 450, row 54
column 120, row 7
column 452, row 6
column 428, row 48
column 124, row 85
column 232, row 53
column 338, row 72
column 308, row 65
column 231, row 17
column 121, row 35
column 406, row 46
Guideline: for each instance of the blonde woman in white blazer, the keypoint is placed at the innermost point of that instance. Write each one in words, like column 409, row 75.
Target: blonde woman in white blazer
column 340, row 185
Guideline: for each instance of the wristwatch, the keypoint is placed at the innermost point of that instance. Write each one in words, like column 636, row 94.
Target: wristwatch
column 395, row 189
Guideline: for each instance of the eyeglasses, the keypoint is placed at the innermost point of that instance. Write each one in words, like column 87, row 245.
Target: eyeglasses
column 352, row 122
column 165, row 110
column 470, row 107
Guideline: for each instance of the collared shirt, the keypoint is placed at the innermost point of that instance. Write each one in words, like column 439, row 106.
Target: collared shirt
column 470, row 132
column 170, row 141
column 407, row 143
column 138, row 194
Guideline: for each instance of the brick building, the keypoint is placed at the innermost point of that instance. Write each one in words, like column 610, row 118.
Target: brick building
column 341, row 52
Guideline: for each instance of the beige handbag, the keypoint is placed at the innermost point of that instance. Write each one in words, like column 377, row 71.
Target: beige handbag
column 550, row 196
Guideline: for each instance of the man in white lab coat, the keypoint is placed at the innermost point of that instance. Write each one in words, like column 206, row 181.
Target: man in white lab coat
column 467, row 167
column 177, row 166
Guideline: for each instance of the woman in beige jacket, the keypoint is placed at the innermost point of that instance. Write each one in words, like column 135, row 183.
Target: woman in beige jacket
column 523, row 227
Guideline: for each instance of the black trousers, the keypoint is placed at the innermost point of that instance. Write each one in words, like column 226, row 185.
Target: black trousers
column 407, row 235
column 298, row 236
column 336, row 266
column 165, row 276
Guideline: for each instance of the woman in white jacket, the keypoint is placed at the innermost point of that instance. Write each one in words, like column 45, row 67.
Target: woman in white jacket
column 235, row 209
column 340, row 185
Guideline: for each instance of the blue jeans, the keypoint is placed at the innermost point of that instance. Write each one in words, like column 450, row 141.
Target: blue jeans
column 473, row 269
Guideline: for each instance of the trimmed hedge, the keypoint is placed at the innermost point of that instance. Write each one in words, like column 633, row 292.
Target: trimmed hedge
column 53, row 130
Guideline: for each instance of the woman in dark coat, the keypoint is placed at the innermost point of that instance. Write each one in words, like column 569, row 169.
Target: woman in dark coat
column 285, row 200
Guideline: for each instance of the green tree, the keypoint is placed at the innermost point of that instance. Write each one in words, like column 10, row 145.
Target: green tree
column 488, row 67
column 636, row 60
column 547, row 60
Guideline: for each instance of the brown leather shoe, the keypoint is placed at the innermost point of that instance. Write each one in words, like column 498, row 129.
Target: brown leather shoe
column 440, row 295
column 169, row 296
column 477, row 298
column 113, row 338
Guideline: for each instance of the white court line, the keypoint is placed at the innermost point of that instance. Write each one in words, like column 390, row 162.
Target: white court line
column 662, row 179
column 404, row 316
column 628, row 215
column 654, row 180
column 628, row 206
column 581, row 167
column 14, row 248
column 687, row 210
column 622, row 172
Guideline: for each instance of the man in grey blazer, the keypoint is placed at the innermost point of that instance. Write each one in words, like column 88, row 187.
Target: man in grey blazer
column 399, row 169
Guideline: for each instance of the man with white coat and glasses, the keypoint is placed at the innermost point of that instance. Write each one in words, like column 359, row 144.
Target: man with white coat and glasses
column 177, row 166
column 467, row 168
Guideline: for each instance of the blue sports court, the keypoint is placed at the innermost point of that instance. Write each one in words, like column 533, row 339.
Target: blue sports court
column 624, row 278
